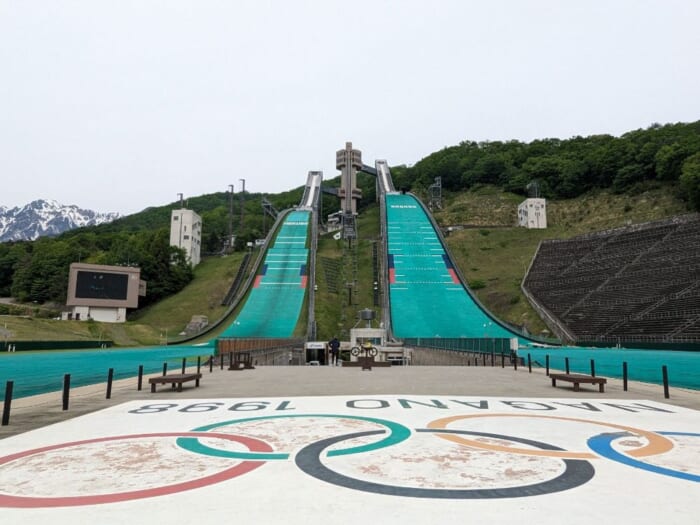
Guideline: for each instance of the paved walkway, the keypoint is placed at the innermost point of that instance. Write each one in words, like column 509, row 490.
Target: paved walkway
column 313, row 445
column 34, row 412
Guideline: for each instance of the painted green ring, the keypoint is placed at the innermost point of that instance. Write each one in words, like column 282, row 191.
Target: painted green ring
column 398, row 433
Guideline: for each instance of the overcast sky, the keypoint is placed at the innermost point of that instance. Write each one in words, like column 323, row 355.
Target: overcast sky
column 120, row 105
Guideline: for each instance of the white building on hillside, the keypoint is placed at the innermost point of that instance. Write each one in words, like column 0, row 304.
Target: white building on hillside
column 186, row 233
column 532, row 213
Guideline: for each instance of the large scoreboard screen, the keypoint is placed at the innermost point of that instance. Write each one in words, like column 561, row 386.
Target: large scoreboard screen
column 102, row 285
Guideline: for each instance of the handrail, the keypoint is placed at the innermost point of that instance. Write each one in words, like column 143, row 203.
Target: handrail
column 235, row 285
column 311, row 288
column 385, row 183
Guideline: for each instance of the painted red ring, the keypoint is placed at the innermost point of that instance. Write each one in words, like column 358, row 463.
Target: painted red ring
column 243, row 467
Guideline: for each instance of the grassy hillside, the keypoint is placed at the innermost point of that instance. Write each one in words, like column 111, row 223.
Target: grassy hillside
column 203, row 296
column 494, row 260
column 152, row 325
column 337, row 312
column 492, row 253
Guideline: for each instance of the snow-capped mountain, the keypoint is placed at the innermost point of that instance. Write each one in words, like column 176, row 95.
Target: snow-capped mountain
column 46, row 218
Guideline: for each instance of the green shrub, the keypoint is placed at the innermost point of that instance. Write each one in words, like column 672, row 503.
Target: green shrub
column 10, row 309
column 46, row 313
column 477, row 284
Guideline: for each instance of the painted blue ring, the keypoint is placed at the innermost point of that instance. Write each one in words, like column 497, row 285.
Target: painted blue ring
column 602, row 444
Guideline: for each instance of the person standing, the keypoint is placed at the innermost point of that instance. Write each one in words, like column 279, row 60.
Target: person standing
column 334, row 346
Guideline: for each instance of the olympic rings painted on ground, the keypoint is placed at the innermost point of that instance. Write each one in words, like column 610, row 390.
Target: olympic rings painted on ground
column 577, row 470
column 8, row 500
column 398, row 433
column 602, row 444
column 657, row 444
column 576, row 473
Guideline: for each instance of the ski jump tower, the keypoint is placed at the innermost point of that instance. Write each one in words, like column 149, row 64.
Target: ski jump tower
column 348, row 161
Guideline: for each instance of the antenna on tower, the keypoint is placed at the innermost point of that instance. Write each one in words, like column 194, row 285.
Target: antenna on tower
column 533, row 189
column 435, row 195
column 228, row 245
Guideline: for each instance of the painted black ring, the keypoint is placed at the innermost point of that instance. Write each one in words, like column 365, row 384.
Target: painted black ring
column 576, row 472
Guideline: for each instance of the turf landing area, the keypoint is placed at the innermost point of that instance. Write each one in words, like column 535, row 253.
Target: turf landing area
column 427, row 299
column 274, row 304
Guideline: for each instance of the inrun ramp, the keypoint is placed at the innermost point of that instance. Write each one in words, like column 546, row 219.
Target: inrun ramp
column 426, row 295
column 274, row 303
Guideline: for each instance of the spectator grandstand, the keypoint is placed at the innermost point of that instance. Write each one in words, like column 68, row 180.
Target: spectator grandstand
column 637, row 284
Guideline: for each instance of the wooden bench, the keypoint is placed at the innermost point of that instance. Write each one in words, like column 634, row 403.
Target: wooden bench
column 359, row 363
column 174, row 379
column 577, row 379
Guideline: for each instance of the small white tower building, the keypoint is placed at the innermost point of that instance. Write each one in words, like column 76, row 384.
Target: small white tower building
column 532, row 213
column 186, row 233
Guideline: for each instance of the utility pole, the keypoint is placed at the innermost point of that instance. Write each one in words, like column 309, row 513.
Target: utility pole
column 242, row 207
column 179, row 241
column 229, row 248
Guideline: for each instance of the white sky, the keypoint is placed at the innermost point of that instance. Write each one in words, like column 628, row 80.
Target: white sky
column 119, row 105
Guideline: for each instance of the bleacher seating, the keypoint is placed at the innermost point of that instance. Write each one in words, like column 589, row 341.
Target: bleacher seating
column 691, row 332
column 638, row 283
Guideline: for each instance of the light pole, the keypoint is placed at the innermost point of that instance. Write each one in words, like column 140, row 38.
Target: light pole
column 6, row 333
column 230, row 219
column 242, row 192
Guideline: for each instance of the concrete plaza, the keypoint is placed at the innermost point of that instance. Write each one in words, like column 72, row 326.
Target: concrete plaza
column 318, row 444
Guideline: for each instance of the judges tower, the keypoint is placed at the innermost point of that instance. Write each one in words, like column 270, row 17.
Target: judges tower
column 348, row 161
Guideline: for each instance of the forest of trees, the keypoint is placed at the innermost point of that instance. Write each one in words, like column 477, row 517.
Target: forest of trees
column 37, row 271
column 670, row 154
column 563, row 169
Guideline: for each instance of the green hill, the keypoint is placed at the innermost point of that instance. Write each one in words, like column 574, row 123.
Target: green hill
column 591, row 183
column 492, row 253
column 494, row 260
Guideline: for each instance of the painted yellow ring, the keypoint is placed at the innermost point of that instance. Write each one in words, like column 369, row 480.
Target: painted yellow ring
column 657, row 444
